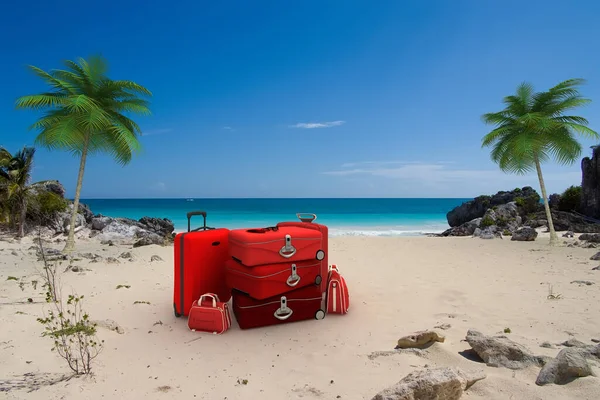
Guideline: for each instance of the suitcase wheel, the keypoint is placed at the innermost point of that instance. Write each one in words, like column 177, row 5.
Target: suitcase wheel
column 175, row 310
column 320, row 314
column 320, row 255
column 318, row 280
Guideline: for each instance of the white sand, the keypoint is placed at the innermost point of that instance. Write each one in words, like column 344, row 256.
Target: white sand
column 397, row 285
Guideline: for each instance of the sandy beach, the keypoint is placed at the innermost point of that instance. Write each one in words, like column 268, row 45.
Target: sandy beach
column 397, row 286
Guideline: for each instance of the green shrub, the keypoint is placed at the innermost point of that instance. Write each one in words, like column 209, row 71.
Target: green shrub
column 485, row 222
column 570, row 200
column 506, row 232
column 529, row 204
column 500, row 221
column 44, row 205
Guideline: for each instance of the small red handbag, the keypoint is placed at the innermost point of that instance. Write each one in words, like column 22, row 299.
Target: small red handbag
column 208, row 314
column 338, row 298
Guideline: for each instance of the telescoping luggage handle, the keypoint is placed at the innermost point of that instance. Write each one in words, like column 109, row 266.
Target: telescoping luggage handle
column 306, row 217
column 283, row 312
column 203, row 227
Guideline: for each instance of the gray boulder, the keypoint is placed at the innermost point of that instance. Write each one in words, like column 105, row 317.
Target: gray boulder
column 100, row 222
column 525, row 234
column 590, row 237
column 431, row 384
column 162, row 227
column 500, row 351
column 148, row 238
column 570, row 363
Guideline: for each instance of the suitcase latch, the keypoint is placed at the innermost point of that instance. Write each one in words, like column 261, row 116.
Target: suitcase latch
column 294, row 278
column 283, row 312
column 287, row 250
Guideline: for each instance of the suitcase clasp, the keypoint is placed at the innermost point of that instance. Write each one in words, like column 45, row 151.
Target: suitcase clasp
column 287, row 250
column 283, row 312
column 294, row 278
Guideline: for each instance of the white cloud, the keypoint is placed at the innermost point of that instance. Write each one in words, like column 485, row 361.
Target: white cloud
column 445, row 179
column 228, row 128
column 312, row 125
column 152, row 132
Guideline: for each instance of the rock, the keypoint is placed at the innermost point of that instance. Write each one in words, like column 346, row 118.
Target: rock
column 573, row 343
column 443, row 326
column 553, row 201
column 568, row 234
column 596, row 340
column 547, row 345
column 570, row 364
column 504, row 216
column 50, row 254
column 148, row 239
column 14, row 253
column 595, row 257
column 90, row 256
column 590, row 184
column 525, row 234
column 84, row 210
column 162, row 227
column 596, row 268
column 155, row 258
column 419, row 340
column 565, row 221
column 107, row 242
column 487, row 233
column 100, row 222
column 581, row 283
column 466, row 229
column 112, row 260
column 447, row 383
column 589, row 245
column 500, row 351
column 126, row 254
column 51, row 186
column 478, row 206
column 590, row 237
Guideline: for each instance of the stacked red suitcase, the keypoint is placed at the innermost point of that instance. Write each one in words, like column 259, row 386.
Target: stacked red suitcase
column 278, row 274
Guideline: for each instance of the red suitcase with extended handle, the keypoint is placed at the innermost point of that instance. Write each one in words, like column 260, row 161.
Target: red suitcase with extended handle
column 199, row 258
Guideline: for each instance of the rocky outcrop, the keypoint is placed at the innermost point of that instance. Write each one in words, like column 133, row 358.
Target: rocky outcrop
column 162, row 227
column 500, row 351
column 477, row 207
column 563, row 221
column 590, row 184
column 49, row 186
column 144, row 232
column 431, row 384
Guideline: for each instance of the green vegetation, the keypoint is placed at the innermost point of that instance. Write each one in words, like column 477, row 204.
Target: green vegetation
column 485, row 222
column 85, row 114
column 507, row 330
column 533, row 127
column 528, row 204
column 570, row 200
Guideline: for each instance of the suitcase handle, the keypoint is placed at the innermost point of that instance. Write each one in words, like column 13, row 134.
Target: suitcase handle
column 213, row 297
column 312, row 217
column 287, row 250
column 283, row 312
column 294, row 278
column 189, row 217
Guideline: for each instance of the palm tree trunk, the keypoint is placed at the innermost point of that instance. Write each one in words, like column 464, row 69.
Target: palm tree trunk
column 22, row 218
column 553, row 236
column 70, row 246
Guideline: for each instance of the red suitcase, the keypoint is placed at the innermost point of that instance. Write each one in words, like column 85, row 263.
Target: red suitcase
column 274, row 245
column 200, row 256
column 208, row 314
column 307, row 221
column 270, row 280
column 301, row 304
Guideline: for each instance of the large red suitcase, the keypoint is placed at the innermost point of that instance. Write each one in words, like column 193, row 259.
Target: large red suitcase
column 301, row 304
column 274, row 245
column 263, row 281
column 199, row 256
column 307, row 221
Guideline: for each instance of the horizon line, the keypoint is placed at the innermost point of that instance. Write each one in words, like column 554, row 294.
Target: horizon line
column 265, row 198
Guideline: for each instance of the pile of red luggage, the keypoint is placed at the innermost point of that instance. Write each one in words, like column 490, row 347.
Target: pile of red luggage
column 272, row 275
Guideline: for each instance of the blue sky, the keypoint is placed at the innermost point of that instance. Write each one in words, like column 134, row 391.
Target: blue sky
column 305, row 99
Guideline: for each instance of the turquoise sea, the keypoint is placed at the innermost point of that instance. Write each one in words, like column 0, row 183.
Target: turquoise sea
column 350, row 216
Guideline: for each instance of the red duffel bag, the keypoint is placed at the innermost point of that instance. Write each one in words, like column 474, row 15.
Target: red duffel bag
column 208, row 314
column 338, row 298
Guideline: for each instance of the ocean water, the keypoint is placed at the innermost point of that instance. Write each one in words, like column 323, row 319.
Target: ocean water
column 344, row 217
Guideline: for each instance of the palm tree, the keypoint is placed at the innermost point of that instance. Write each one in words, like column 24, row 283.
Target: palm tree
column 85, row 115
column 534, row 127
column 15, row 173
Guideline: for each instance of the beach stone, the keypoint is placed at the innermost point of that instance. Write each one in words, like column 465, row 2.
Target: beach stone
column 148, row 239
column 419, row 340
column 112, row 260
column 570, row 363
column 595, row 257
column 466, row 229
column 448, row 383
column 155, row 258
column 126, row 254
column 582, row 283
column 500, row 351
column 547, row 345
column 99, row 222
column 568, row 234
column 589, row 245
column 162, row 227
column 590, row 237
column 443, row 326
column 573, row 343
column 525, row 234
column 596, row 268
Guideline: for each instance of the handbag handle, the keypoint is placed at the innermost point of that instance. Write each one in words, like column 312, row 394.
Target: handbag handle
column 334, row 268
column 213, row 296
